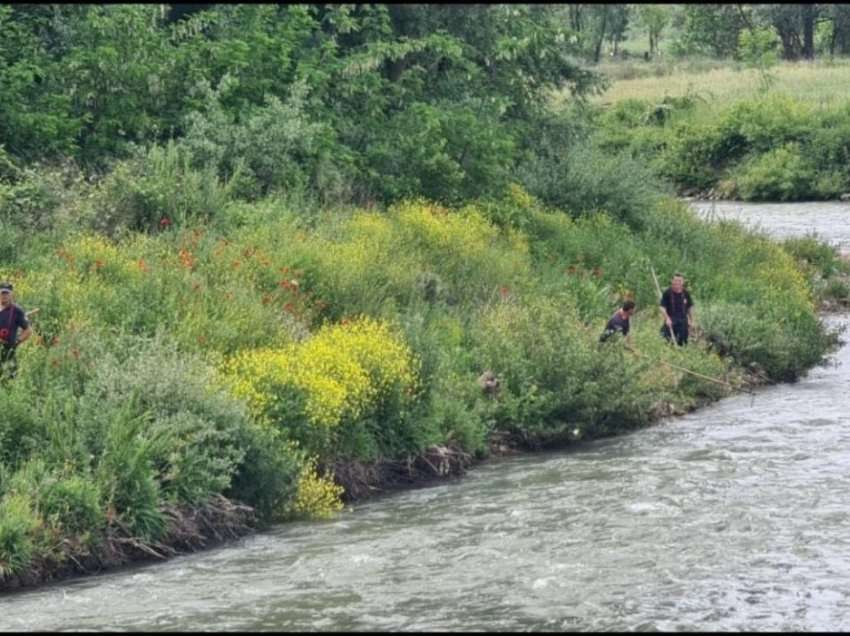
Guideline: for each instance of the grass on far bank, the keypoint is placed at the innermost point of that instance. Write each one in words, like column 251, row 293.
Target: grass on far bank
column 822, row 82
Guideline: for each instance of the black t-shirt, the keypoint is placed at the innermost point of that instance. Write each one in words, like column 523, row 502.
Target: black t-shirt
column 617, row 323
column 676, row 305
column 12, row 318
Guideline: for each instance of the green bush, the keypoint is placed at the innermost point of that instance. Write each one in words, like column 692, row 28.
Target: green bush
column 127, row 475
column 74, row 503
column 192, row 429
column 18, row 523
column 69, row 502
column 156, row 189
column 21, row 431
column 781, row 174
column 765, row 339
column 553, row 375
column 267, row 476
column 815, row 253
column 276, row 146
column 445, row 152
column 586, row 179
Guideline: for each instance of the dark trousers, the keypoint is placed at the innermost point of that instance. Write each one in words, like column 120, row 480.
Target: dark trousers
column 680, row 329
column 8, row 363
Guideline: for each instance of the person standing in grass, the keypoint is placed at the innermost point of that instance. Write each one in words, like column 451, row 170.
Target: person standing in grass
column 619, row 322
column 676, row 306
column 12, row 318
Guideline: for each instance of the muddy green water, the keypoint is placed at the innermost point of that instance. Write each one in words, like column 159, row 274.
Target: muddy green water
column 731, row 518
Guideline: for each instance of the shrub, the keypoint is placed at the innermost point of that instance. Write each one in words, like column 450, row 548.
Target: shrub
column 445, row 152
column 30, row 203
column 69, row 502
column 335, row 380
column 18, row 522
column 586, row 179
column 763, row 339
column 74, row 503
column 276, row 146
column 21, row 432
column 780, row 174
column 192, row 427
column 814, row 253
column 267, row 477
column 127, row 474
column 553, row 374
column 318, row 497
column 155, row 189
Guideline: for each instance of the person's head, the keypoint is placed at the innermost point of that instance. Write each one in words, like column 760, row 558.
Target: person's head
column 5, row 294
column 628, row 308
column 677, row 283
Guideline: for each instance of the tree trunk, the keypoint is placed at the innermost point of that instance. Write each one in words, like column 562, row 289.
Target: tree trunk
column 832, row 39
column 789, row 51
column 575, row 17
column 601, row 38
column 807, row 15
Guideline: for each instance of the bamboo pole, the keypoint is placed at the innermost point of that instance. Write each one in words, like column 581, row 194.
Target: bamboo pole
column 694, row 373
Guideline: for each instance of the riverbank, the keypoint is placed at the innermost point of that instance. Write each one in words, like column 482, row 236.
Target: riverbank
column 220, row 520
column 699, row 499
column 354, row 358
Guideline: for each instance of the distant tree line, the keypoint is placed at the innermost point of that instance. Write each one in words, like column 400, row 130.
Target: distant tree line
column 804, row 30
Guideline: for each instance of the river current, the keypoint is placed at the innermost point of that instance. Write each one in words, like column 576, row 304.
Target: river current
column 734, row 517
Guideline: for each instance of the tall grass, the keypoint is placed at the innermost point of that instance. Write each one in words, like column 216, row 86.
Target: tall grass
column 723, row 82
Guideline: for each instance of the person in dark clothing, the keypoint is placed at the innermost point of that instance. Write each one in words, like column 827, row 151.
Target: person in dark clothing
column 676, row 306
column 619, row 322
column 12, row 318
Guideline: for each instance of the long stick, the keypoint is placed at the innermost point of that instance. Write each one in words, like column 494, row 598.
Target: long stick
column 699, row 375
column 655, row 279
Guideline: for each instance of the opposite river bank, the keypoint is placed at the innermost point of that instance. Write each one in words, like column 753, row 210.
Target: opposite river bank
column 728, row 518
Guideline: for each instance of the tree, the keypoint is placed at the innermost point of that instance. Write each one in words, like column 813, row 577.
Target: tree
column 795, row 24
column 618, row 24
column 654, row 18
column 758, row 48
column 713, row 29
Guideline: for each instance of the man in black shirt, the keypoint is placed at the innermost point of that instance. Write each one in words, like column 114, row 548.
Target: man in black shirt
column 12, row 318
column 619, row 322
column 676, row 305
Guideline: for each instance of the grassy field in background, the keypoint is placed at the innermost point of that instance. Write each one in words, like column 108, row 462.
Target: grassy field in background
column 822, row 82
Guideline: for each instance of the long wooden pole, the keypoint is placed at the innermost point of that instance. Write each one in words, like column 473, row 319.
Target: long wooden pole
column 694, row 373
column 699, row 375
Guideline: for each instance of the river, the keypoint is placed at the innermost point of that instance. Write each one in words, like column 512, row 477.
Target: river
column 734, row 517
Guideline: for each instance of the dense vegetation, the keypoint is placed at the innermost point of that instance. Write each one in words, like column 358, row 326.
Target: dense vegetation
column 743, row 134
column 265, row 240
column 768, row 148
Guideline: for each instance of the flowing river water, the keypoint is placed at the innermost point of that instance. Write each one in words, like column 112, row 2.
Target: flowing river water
column 734, row 517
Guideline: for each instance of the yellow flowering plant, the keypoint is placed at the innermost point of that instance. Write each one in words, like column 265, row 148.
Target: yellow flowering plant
column 343, row 374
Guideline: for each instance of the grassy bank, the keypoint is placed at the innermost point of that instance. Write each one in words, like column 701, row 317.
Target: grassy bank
column 276, row 248
column 720, row 134
column 250, row 352
column 721, row 81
